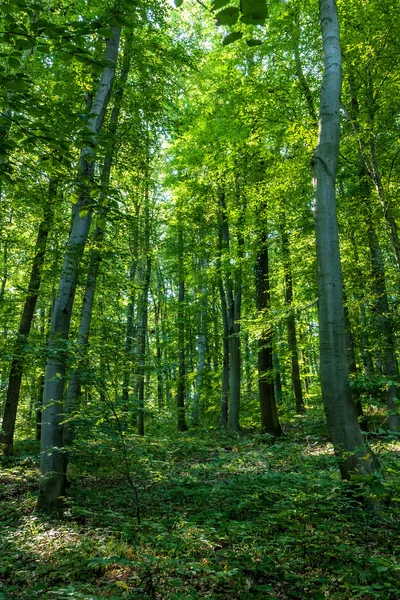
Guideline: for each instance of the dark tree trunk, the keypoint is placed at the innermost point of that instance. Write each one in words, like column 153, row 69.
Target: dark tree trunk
column 181, row 387
column 15, row 378
column 291, row 322
column 269, row 415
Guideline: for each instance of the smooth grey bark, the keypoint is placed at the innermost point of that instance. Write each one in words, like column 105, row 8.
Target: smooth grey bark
column 51, row 485
column 181, row 384
column 17, row 364
column 201, row 351
column 351, row 450
column 291, row 321
column 72, row 396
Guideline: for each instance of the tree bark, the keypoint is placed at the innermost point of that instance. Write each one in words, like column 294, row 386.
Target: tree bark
column 352, row 452
column 143, row 307
column 291, row 322
column 72, row 396
column 51, row 486
column 15, row 378
column 201, row 352
column 181, row 387
column 269, row 415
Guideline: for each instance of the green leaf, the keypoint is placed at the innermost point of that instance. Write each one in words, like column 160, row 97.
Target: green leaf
column 83, row 212
column 19, row 85
column 217, row 4
column 178, row 3
column 252, row 43
column 252, row 21
column 232, row 37
column 14, row 62
column 101, row 222
column 254, row 12
column 227, row 16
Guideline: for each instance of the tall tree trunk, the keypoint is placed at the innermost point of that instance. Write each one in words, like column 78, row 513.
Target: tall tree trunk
column 291, row 322
column 269, row 415
column 143, row 307
column 351, row 359
column 181, row 387
column 277, row 378
column 157, row 318
column 233, row 297
column 352, row 452
column 51, row 486
column 201, row 351
column 15, row 378
column 225, row 360
column 72, row 397
column 129, row 335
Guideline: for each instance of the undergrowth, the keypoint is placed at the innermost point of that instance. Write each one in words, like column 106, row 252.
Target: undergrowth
column 221, row 516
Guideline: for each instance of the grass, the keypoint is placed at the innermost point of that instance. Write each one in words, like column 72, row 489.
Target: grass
column 221, row 516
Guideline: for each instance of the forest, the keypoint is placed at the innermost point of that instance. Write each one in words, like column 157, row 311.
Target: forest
column 199, row 299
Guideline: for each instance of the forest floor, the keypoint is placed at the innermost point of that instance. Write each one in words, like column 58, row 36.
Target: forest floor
column 221, row 516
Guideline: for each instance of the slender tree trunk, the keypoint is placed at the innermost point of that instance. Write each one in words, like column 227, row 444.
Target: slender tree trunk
column 363, row 337
column 51, row 487
column 291, row 322
column 181, row 388
column 130, row 321
column 269, row 415
column 351, row 359
column 15, row 378
column 225, row 360
column 157, row 315
column 143, row 309
column 352, row 452
column 233, row 297
column 277, row 378
column 201, row 353
column 72, row 397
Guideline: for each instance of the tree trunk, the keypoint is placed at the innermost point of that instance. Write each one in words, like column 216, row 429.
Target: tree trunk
column 291, row 322
column 181, row 388
column 201, row 352
column 72, row 397
column 233, row 297
column 51, row 486
column 269, row 415
column 352, row 452
column 129, row 336
column 15, row 378
column 351, row 359
column 143, row 309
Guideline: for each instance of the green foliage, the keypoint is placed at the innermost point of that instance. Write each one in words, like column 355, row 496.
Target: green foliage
column 223, row 516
